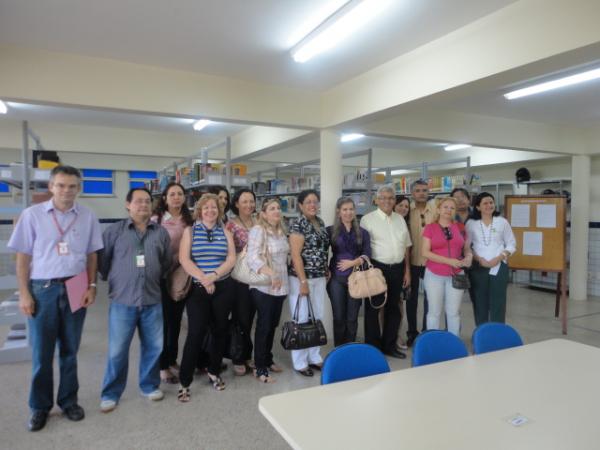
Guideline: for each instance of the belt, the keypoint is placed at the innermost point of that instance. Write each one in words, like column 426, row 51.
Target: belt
column 59, row 280
column 387, row 266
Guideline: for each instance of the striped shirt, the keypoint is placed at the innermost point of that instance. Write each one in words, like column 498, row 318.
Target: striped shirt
column 209, row 247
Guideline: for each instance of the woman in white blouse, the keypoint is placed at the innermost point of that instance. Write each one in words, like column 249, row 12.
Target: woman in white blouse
column 268, row 300
column 493, row 242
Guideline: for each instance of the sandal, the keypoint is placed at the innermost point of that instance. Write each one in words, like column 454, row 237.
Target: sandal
column 183, row 395
column 307, row 372
column 316, row 366
column 275, row 368
column 216, row 382
column 239, row 370
column 250, row 364
column 263, row 375
column 167, row 377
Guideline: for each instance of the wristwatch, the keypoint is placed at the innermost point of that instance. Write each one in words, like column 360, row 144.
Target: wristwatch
column 93, row 285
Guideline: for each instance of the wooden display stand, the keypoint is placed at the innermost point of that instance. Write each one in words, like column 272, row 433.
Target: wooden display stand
column 539, row 223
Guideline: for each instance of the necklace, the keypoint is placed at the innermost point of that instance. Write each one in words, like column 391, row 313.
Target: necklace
column 487, row 240
column 244, row 224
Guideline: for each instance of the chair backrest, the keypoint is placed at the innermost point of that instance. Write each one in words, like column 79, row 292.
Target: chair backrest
column 436, row 346
column 353, row 360
column 492, row 336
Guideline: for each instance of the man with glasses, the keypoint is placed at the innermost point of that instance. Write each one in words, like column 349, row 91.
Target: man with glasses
column 421, row 213
column 390, row 243
column 136, row 257
column 55, row 241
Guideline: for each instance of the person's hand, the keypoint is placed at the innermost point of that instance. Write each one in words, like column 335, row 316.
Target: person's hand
column 26, row 304
column 406, row 280
column 467, row 261
column 455, row 263
column 210, row 288
column 275, row 283
column 304, row 291
column 345, row 264
column 89, row 297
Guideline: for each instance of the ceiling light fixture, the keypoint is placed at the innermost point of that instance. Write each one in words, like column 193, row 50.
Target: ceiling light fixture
column 346, row 20
column 554, row 84
column 451, row 148
column 3, row 108
column 351, row 137
column 200, row 124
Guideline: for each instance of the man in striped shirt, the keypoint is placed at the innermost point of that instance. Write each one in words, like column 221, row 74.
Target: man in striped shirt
column 136, row 256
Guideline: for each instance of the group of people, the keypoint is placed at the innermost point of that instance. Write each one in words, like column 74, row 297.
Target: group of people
column 138, row 256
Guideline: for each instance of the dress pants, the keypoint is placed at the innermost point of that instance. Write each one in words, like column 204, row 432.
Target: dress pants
column 317, row 287
column 268, row 309
column 412, row 303
column 489, row 303
column 386, row 340
column 345, row 311
column 242, row 314
column 172, row 314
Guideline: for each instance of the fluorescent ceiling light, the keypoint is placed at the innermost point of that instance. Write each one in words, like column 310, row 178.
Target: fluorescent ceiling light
column 199, row 124
column 3, row 108
column 315, row 20
column 450, row 148
column 346, row 20
column 351, row 137
column 555, row 84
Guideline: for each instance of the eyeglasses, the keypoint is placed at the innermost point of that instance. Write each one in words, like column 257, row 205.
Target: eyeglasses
column 422, row 220
column 209, row 235
column 447, row 233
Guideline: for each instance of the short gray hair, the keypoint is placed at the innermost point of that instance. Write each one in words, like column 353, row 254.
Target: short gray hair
column 386, row 188
column 415, row 183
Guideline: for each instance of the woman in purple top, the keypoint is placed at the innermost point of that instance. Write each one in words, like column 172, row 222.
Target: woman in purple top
column 349, row 242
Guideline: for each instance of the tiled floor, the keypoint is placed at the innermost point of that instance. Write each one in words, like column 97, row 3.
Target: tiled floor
column 218, row 420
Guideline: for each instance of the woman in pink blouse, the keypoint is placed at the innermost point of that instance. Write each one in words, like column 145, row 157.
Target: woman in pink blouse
column 448, row 252
column 173, row 214
column 243, row 205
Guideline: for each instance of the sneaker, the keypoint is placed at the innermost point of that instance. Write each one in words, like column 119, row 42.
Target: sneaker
column 155, row 395
column 107, row 406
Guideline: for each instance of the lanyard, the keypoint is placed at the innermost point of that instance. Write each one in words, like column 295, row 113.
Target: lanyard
column 59, row 228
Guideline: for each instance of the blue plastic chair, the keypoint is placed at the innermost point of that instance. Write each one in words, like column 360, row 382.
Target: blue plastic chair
column 493, row 336
column 353, row 360
column 435, row 346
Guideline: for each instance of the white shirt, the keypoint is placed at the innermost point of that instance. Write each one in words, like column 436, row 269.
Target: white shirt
column 489, row 241
column 389, row 236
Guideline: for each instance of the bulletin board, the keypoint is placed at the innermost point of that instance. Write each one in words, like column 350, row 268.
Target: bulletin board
column 539, row 223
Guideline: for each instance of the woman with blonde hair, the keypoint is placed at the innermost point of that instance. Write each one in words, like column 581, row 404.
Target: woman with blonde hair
column 269, row 258
column 207, row 253
column 448, row 252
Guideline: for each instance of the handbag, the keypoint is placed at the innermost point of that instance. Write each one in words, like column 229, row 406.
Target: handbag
column 297, row 336
column 460, row 280
column 367, row 283
column 241, row 271
column 180, row 282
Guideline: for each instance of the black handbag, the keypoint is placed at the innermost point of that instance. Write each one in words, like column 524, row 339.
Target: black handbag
column 238, row 347
column 297, row 336
column 459, row 280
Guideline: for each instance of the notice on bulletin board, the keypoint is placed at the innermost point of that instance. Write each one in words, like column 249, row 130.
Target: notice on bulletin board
column 546, row 216
column 519, row 216
column 533, row 243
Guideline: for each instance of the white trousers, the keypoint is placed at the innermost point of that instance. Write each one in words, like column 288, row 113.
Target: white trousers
column 441, row 295
column 316, row 286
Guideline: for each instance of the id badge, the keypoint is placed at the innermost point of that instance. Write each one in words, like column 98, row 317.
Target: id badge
column 140, row 261
column 63, row 248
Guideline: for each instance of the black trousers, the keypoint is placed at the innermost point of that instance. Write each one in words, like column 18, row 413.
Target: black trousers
column 268, row 309
column 172, row 313
column 206, row 311
column 386, row 341
column 243, row 315
column 416, row 274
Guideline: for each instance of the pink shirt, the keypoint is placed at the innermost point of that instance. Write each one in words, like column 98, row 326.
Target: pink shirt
column 439, row 246
column 174, row 227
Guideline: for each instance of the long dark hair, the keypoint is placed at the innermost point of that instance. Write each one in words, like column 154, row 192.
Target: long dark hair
column 478, row 199
column 217, row 190
column 337, row 222
column 162, row 207
column 236, row 198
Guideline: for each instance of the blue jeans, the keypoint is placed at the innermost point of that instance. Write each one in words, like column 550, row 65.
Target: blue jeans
column 122, row 322
column 345, row 311
column 52, row 323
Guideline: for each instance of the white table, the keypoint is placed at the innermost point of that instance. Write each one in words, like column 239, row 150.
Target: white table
column 461, row 404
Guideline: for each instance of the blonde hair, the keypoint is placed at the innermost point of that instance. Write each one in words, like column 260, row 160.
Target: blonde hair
column 280, row 228
column 438, row 204
column 203, row 201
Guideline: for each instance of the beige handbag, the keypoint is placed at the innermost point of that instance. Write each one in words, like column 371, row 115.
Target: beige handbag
column 367, row 283
column 179, row 284
column 241, row 271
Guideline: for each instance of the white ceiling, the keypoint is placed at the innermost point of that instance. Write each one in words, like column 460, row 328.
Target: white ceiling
column 241, row 39
column 117, row 119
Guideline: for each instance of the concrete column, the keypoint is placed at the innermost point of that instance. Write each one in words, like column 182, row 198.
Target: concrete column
column 331, row 173
column 331, row 190
column 580, row 217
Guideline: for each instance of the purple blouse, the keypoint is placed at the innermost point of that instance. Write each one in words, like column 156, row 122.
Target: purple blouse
column 346, row 247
